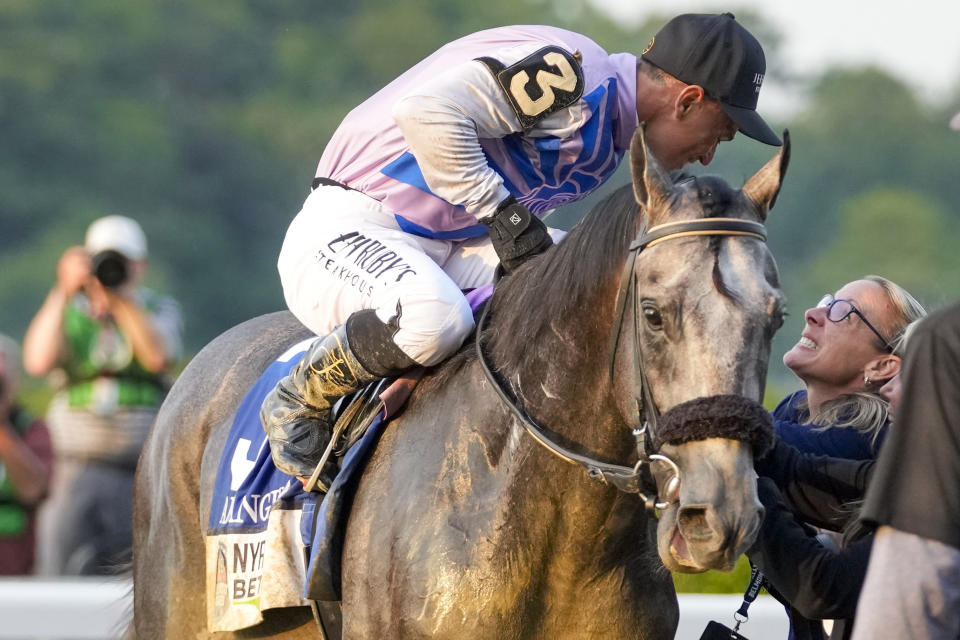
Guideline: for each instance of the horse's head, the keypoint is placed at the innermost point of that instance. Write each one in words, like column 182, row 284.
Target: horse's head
column 707, row 304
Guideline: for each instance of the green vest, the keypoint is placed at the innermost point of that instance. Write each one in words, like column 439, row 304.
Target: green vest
column 98, row 349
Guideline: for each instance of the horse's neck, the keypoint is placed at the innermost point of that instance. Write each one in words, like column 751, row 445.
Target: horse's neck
column 490, row 482
column 558, row 376
column 563, row 384
column 550, row 508
column 564, row 387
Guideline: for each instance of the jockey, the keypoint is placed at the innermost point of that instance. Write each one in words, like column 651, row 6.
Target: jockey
column 443, row 173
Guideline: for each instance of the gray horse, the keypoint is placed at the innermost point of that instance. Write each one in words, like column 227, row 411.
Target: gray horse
column 464, row 526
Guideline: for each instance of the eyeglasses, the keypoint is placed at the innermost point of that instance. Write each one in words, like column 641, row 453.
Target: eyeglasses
column 839, row 309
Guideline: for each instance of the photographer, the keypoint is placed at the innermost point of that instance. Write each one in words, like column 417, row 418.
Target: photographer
column 108, row 344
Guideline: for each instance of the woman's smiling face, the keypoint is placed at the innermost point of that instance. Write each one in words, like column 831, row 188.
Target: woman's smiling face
column 835, row 354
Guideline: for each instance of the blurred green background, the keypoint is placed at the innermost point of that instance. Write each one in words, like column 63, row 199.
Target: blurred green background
column 205, row 122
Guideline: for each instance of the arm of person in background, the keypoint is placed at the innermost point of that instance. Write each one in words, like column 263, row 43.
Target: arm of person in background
column 818, row 582
column 909, row 574
column 816, row 487
column 913, row 583
column 26, row 460
column 43, row 344
column 167, row 322
column 135, row 323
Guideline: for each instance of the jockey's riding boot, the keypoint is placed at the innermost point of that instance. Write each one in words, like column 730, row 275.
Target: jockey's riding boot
column 296, row 413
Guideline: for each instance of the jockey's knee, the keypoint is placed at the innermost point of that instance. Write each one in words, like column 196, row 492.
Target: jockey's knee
column 428, row 338
column 371, row 341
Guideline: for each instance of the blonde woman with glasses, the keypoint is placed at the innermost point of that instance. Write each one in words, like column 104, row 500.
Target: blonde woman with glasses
column 848, row 357
column 845, row 354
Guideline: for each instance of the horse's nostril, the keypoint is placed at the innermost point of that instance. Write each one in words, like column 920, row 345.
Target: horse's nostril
column 693, row 523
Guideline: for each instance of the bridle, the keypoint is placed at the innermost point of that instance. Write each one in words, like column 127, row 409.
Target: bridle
column 629, row 479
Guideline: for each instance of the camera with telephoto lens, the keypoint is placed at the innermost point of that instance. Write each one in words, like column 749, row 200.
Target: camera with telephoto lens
column 111, row 268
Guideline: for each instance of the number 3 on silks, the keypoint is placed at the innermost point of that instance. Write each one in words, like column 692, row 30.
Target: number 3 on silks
column 542, row 83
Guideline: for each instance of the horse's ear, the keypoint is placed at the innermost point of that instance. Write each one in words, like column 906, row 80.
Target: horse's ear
column 764, row 186
column 651, row 184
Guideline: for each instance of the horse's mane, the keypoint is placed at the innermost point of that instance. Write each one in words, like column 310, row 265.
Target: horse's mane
column 566, row 277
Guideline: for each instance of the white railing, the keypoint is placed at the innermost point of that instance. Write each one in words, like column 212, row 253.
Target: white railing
column 97, row 609
column 64, row 609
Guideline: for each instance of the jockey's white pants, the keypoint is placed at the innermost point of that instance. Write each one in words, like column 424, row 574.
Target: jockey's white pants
column 344, row 253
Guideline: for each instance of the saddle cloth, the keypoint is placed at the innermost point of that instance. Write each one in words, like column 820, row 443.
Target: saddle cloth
column 270, row 544
column 262, row 524
column 253, row 544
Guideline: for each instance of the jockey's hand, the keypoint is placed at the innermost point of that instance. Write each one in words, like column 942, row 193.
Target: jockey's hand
column 516, row 234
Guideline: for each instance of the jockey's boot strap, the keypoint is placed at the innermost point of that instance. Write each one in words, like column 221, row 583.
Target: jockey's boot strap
column 296, row 413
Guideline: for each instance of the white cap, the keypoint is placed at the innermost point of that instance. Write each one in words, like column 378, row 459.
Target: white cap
column 955, row 122
column 119, row 233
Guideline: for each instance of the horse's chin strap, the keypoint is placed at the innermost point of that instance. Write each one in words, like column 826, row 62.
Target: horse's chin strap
column 638, row 477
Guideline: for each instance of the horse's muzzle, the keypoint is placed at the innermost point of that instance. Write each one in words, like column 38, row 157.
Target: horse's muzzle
column 710, row 541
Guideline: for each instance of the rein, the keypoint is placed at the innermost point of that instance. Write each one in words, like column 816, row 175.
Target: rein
column 627, row 478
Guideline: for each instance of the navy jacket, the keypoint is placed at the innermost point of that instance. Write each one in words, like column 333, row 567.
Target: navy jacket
column 837, row 442
column 811, row 580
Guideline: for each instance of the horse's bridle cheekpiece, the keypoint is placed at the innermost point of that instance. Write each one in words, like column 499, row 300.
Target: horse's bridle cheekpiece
column 724, row 416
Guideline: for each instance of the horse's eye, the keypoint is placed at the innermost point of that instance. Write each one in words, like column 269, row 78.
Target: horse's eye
column 777, row 320
column 652, row 315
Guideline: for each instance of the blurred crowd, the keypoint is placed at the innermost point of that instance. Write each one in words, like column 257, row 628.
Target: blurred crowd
column 106, row 344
